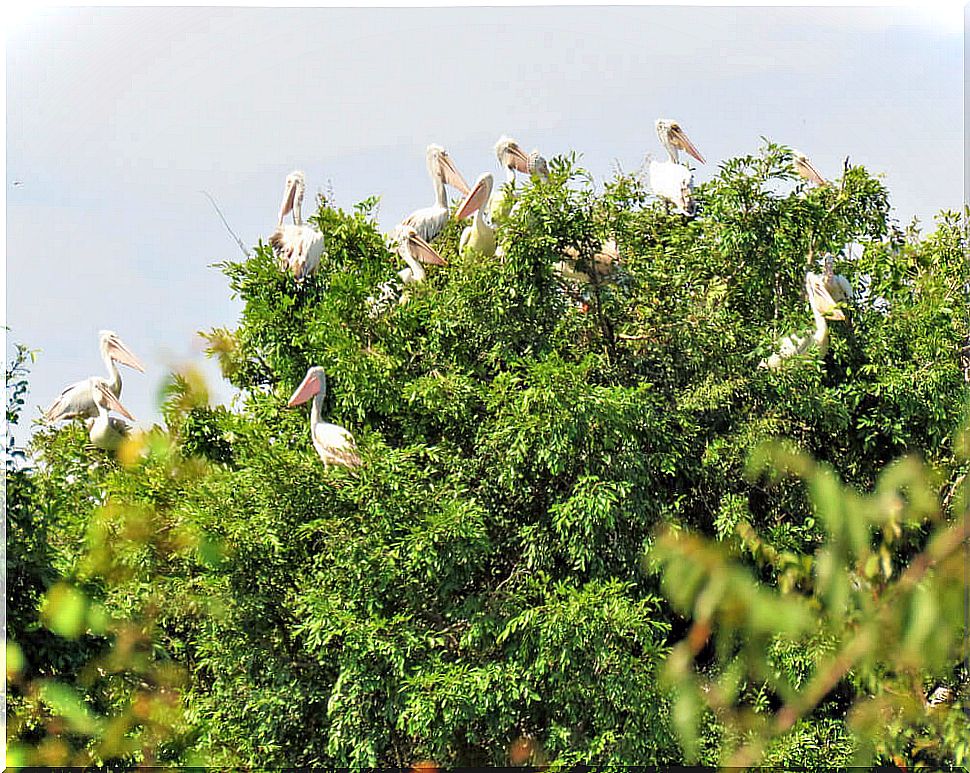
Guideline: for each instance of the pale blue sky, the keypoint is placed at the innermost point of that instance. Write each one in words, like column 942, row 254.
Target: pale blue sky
column 117, row 117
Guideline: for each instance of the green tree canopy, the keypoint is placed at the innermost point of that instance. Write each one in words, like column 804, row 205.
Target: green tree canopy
column 500, row 573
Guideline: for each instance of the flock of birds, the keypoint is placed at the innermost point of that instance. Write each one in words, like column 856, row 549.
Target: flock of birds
column 299, row 248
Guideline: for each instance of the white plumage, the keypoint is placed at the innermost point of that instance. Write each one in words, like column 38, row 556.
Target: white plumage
column 298, row 247
column 823, row 308
column 105, row 431
column 670, row 180
column 838, row 286
column 415, row 251
column 513, row 159
column 333, row 443
column 428, row 221
column 80, row 399
column 479, row 236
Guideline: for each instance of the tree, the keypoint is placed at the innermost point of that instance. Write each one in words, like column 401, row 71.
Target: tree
column 476, row 591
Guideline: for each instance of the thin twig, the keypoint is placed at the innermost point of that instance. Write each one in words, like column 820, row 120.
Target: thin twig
column 239, row 241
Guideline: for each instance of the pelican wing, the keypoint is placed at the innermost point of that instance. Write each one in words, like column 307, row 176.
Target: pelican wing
column 427, row 221
column 673, row 182
column 298, row 248
column 336, row 445
column 77, row 400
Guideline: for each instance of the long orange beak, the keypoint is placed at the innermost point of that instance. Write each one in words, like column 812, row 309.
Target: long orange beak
column 423, row 251
column 307, row 389
column 804, row 167
column 289, row 194
column 517, row 159
column 475, row 199
column 121, row 353
column 451, row 175
column 680, row 139
column 112, row 403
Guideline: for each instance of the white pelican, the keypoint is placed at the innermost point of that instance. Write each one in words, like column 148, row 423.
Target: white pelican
column 333, row 443
column 513, row 159
column 824, row 308
column 805, row 169
column 479, row 236
column 298, row 247
column 429, row 221
column 838, row 286
column 415, row 251
column 670, row 180
column 80, row 399
column 107, row 432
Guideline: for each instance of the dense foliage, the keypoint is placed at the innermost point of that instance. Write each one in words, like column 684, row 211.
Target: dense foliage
column 560, row 483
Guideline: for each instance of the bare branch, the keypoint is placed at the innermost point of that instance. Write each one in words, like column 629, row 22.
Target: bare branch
column 239, row 241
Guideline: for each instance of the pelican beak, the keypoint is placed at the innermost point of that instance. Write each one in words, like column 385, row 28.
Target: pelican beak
column 836, row 314
column 289, row 196
column 680, row 139
column 474, row 200
column 112, row 403
column 451, row 175
column 517, row 159
column 423, row 251
column 307, row 389
column 121, row 353
column 809, row 172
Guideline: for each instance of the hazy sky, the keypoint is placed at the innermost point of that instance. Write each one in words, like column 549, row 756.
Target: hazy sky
column 118, row 117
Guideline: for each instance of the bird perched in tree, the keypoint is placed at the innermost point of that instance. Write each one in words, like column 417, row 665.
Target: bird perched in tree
column 298, row 247
column 333, row 443
column 805, row 168
column 429, row 221
column 479, row 236
column 671, row 180
column 838, row 286
column 81, row 398
column 415, row 251
column 513, row 159
column 106, row 432
column 823, row 308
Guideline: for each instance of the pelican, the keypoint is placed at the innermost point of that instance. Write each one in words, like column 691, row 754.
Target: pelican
column 479, row 236
column 107, row 432
column 838, row 286
column 80, row 399
column 415, row 251
column 333, row 443
column 429, row 221
column 805, row 169
column 670, row 180
column 824, row 308
column 513, row 159
column 298, row 247
column 538, row 166
column 602, row 264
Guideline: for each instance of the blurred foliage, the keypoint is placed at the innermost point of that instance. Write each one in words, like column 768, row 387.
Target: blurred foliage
column 475, row 593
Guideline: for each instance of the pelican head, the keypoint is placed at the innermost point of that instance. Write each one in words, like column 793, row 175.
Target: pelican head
column 819, row 297
column 410, row 241
column 673, row 138
column 805, row 168
column 477, row 197
column 538, row 166
column 293, row 196
column 441, row 167
column 315, row 382
column 107, row 400
column 113, row 348
column 510, row 155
